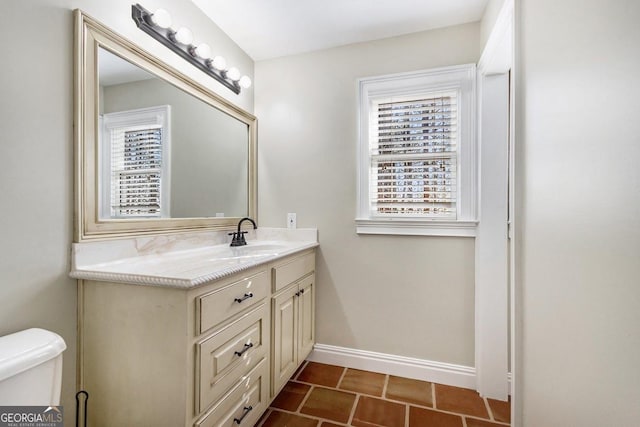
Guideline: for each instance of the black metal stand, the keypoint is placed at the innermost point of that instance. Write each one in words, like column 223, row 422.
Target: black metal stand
column 84, row 412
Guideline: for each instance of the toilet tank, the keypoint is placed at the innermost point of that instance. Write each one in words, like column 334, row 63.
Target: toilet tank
column 31, row 368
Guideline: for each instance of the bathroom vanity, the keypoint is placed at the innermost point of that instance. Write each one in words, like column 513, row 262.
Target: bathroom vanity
column 176, row 328
column 205, row 336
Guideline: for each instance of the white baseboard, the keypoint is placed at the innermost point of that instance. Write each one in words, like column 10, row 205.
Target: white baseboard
column 408, row 367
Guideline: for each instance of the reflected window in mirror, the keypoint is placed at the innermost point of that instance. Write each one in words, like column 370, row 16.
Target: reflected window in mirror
column 209, row 149
column 134, row 166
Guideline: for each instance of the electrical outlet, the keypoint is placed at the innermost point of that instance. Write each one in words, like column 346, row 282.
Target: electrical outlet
column 291, row 220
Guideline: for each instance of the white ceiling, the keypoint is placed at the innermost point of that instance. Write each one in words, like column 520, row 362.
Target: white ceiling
column 272, row 28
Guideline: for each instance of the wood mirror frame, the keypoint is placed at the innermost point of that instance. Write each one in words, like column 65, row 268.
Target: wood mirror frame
column 90, row 36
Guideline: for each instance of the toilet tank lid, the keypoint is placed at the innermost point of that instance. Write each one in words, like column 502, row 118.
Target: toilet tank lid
column 26, row 349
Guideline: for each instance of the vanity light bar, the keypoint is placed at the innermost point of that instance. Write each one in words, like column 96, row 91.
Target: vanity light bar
column 158, row 26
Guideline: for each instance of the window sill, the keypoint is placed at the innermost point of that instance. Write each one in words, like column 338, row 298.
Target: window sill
column 412, row 227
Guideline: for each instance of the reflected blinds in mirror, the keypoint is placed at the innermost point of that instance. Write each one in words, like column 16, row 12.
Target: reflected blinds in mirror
column 414, row 156
column 136, row 172
column 135, row 164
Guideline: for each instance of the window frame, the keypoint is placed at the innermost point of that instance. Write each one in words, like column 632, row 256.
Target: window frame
column 460, row 79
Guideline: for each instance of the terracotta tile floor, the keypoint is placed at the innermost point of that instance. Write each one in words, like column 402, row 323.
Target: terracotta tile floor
column 321, row 395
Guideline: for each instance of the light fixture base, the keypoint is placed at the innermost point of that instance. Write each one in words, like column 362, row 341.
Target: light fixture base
column 142, row 18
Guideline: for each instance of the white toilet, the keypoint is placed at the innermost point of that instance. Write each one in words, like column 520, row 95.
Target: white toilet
column 31, row 368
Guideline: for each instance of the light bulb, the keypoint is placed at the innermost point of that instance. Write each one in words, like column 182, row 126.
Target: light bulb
column 183, row 35
column 203, row 51
column 245, row 82
column 233, row 73
column 219, row 63
column 161, row 18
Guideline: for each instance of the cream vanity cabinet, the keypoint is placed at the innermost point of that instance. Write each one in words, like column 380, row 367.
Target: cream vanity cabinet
column 293, row 317
column 200, row 356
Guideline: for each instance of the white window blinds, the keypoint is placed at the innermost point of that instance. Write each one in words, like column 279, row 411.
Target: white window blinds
column 136, row 171
column 413, row 143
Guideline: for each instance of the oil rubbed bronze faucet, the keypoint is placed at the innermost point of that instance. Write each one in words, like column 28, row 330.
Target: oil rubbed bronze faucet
column 238, row 236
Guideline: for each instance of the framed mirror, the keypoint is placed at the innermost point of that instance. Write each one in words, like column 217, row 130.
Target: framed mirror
column 155, row 151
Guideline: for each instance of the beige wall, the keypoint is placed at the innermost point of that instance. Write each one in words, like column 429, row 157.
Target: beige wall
column 409, row 296
column 36, row 117
column 579, row 212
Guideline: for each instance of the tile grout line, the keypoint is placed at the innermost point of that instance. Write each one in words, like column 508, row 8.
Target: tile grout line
column 342, row 375
column 406, row 415
column 306, row 397
column 433, row 394
column 444, row 411
column 385, row 384
column 355, row 401
column 304, row 400
column 300, row 369
column 501, row 423
column 353, row 409
column 488, row 407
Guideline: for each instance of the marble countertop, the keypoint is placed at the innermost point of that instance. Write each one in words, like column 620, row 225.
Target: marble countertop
column 183, row 261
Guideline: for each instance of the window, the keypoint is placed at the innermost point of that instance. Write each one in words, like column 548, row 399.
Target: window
column 417, row 171
column 135, row 146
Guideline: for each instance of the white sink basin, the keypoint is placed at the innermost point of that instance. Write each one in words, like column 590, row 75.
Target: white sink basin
column 262, row 247
column 221, row 253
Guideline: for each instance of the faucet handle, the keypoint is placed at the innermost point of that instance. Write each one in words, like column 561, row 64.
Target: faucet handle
column 238, row 238
column 241, row 238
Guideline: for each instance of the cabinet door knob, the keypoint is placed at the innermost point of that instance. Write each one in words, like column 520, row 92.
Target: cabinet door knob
column 245, row 412
column 246, row 296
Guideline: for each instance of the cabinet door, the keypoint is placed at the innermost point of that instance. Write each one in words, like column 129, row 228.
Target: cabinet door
column 285, row 337
column 306, row 317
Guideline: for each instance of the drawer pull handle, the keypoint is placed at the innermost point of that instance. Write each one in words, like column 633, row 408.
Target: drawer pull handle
column 246, row 296
column 246, row 347
column 246, row 410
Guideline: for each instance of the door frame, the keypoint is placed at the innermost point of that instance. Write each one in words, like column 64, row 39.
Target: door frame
column 495, row 312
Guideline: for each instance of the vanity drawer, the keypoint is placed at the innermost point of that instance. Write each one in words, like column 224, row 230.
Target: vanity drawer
column 229, row 354
column 217, row 306
column 293, row 270
column 244, row 404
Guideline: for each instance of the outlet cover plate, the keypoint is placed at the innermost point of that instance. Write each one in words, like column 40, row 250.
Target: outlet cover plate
column 291, row 220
